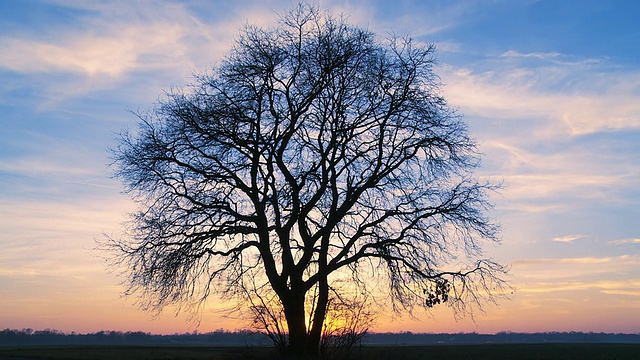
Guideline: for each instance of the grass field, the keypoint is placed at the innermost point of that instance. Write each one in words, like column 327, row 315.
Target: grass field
column 440, row 352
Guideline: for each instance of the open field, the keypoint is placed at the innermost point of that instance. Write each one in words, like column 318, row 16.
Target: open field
column 437, row 352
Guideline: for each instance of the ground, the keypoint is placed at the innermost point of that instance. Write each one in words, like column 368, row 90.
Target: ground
column 433, row 352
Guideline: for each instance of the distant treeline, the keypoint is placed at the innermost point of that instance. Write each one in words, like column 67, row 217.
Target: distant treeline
column 221, row 337
column 55, row 337
column 408, row 338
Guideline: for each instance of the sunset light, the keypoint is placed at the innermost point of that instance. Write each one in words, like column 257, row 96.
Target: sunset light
column 549, row 90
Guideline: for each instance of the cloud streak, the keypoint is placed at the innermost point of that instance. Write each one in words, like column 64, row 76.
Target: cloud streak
column 568, row 238
column 553, row 57
column 106, row 55
column 118, row 39
column 579, row 260
column 556, row 129
column 627, row 288
column 565, row 99
column 625, row 241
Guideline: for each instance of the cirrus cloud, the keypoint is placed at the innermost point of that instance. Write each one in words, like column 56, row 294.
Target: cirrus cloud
column 573, row 98
column 625, row 241
column 93, row 54
column 568, row 238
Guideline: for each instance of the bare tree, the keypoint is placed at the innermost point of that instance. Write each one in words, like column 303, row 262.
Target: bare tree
column 313, row 154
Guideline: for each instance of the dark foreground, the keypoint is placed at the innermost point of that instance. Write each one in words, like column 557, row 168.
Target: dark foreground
column 431, row 352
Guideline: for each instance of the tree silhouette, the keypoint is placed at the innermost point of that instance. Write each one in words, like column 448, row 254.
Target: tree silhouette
column 315, row 160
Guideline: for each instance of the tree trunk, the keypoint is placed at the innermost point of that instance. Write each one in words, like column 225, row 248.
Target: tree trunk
column 315, row 335
column 295, row 315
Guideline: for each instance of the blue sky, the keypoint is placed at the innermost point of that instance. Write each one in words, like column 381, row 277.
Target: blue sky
column 550, row 89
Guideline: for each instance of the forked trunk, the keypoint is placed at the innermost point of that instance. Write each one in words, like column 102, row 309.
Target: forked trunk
column 295, row 315
column 303, row 343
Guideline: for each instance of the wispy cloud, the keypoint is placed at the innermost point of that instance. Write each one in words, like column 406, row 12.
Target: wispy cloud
column 113, row 41
column 625, row 241
column 537, row 55
column 448, row 47
column 45, row 238
column 543, row 177
column 563, row 99
column 568, row 238
column 404, row 18
column 622, row 292
column 532, row 116
column 630, row 287
column 112, row 54
column 553, row 57
column 575, row 260
column 574, row 270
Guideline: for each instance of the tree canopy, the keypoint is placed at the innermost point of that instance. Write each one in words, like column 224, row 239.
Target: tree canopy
column 316, row 168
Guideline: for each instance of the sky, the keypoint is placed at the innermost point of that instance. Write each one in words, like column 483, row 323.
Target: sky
column 550, row 91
